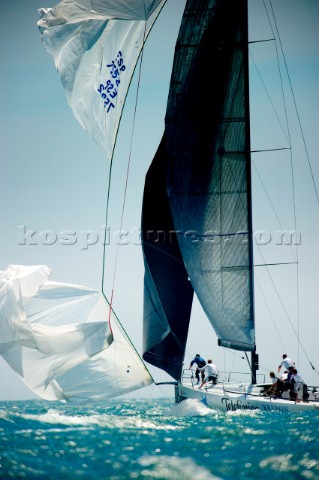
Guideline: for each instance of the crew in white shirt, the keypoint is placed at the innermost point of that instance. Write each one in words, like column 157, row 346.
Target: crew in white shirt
column 286, row 363
column 299, row 386
column 211, row 372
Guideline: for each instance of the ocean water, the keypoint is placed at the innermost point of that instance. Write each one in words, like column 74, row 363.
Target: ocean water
column 154, row 439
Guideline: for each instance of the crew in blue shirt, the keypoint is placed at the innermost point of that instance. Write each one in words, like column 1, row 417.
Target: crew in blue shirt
column 200, row 362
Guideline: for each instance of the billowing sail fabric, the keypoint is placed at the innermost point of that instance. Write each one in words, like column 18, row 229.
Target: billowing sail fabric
column 205, row 152
column 208, row 158
column 168, row 293
column 57, row 337
column 95, row 45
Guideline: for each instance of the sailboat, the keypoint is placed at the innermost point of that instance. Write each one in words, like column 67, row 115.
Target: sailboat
column 197, row 233
column 198, row 196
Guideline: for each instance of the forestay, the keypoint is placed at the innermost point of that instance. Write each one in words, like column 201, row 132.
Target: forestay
column 95, row 46
column 57, row 337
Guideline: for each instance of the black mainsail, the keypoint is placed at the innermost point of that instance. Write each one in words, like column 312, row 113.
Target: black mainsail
column 199, row 186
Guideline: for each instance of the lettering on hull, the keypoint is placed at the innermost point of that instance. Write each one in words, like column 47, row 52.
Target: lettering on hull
column 239, row 405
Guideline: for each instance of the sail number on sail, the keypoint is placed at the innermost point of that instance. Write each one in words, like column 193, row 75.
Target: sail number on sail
column 108, row 90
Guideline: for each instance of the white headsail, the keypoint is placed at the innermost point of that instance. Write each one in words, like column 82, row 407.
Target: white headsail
column 95, row 46
column 61, row 338
column 57, row 337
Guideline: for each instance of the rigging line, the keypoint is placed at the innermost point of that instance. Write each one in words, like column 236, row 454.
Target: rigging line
column 167, row 359
column 166, row 383
column 271, row 102
column 104, row 243
column 130, row 153
column 283, row 306
column 292, row 166
column 273, row 208
column 262, row 41
column 291, row 157
column 224, row 362
column 302, row 134
column 164, row 253
column 106, row 220
column 232, row 367
column 249, row 364
column 111, row 163
column 233, row 352
column 269, row 311
column 279, row 70
column 126, row 336
column 180, row 343
column 264, row 368
column 296, row 108
column 273, row 264
column 129, row 157
column 162, row 390
column 270, row 150
column 189, row 355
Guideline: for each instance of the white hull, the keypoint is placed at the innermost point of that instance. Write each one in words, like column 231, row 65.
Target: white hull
column 241, row 397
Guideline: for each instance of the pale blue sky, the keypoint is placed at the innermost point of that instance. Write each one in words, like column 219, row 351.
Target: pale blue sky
column 54, row 177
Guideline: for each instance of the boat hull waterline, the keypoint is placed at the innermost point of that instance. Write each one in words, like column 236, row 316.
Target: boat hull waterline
column 217, row 397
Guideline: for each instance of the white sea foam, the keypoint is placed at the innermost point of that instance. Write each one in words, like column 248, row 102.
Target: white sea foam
column 172, row 468
column 283, row 463
column 239, row 412
column 102, row 420
column 190, row 408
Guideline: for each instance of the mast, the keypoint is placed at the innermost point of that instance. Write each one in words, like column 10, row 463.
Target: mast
column 254, row 357
column 204, row 161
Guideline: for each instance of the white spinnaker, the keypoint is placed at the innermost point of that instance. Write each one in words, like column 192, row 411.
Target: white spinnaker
column 95, row 46
column 57, row 337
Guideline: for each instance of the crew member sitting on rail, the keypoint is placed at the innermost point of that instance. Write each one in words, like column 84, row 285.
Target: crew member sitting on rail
column 277, row 385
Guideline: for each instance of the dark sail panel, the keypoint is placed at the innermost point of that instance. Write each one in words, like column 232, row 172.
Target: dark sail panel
column 208, row 149
column 203, row 166
column 168, row 293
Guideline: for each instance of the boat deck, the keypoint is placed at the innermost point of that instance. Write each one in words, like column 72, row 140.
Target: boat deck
column 239, row 395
